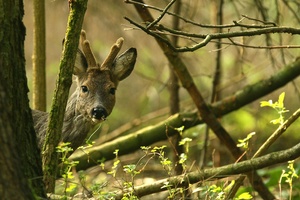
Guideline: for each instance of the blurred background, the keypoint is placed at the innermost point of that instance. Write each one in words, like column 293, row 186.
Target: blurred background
column 145, row 90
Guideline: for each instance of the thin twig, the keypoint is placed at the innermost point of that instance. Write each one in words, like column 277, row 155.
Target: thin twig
column 279, row 131
column 152, row 33
column 207, row 38
column 261, row 31
column 161, row 15
column 187, row 20
column 262, row 47
column 261, row 21
column 251, row 25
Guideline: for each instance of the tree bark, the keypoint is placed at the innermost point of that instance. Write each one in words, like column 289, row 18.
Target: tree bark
column 39, row 56
column 61, row 94
column 20, row 162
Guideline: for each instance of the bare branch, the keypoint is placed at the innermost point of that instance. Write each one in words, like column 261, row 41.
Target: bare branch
column 262, row 47
column 261, row 21
column 161, row 16
column 208, row 37
column 180, row 17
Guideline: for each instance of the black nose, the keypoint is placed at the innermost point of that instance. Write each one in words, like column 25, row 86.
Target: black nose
column 99, row 113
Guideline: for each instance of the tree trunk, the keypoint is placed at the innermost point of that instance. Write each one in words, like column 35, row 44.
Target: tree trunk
column 61, row 93
column 20, row 162
column 39, row 56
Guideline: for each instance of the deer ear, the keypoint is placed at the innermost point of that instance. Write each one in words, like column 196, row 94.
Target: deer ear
column 80, row 63
column 124, row 64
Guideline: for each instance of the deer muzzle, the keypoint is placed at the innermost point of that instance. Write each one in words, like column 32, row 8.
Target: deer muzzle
column 99, row 114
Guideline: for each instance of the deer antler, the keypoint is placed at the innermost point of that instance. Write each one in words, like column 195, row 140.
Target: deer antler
column 112, row 54
column 85, row 45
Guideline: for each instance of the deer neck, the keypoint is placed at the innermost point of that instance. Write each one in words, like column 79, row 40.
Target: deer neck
column 76, row 127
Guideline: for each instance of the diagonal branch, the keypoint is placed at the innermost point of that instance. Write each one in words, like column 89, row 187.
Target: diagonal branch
column 279, row 131
column 161, row 15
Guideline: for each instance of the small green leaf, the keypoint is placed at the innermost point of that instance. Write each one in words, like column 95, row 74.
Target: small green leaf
column 166, row 185
column 228, row 187
column 242, row 144
column 183, row 158
column 266, row 103
column 145, row 148
column 180, row 129
column 116, row 152
column 276, row 121
column 129, row 168
column 244, row 196
column 249, row 136
column 281, row 99
column 184, row 141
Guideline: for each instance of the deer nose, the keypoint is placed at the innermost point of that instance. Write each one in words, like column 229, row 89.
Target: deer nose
column 99, row 113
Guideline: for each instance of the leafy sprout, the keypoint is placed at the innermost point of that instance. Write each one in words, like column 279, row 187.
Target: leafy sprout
column 278, row 106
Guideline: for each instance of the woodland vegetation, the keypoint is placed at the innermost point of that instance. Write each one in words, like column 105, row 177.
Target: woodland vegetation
column 210, row 111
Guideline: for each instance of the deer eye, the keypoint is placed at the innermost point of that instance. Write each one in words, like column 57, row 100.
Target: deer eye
column 112, row 91
column 84, row 89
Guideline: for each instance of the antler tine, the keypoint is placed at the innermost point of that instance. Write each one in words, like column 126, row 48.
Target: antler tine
column 82, row 37
column 112, row 54
column 85, row 45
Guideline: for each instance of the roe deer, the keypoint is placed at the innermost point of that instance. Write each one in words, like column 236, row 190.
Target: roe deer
column 94, row 98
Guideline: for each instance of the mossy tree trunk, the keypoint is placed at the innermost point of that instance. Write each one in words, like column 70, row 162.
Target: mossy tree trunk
column 20, row 162
column 39, row 56
column 63, row 84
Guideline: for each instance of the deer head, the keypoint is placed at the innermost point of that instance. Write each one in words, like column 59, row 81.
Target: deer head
column 97, row 84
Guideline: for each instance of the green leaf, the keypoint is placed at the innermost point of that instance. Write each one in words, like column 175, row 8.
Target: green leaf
column 281, row 99
column 180, row 129
column 249, row 136
column 266, row 103
column 129, row 168
column 116, row 152
column 183, row 158
column 229, row 186
column 276, row 121
column 244, row 196
column 184, row 141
